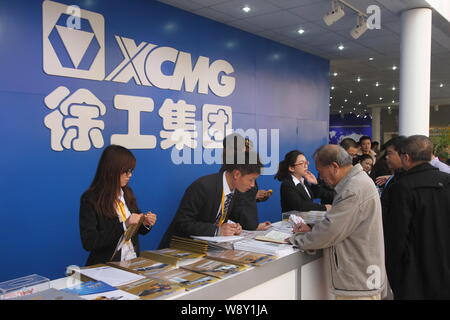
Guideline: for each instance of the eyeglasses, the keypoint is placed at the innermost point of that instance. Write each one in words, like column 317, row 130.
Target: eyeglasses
column 128, row 172
column 303, row 163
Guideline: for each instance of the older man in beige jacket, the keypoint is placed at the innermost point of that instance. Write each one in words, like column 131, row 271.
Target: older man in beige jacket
column 352, row 232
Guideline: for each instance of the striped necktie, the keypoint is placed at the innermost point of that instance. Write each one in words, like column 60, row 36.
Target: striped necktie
column 221, row 217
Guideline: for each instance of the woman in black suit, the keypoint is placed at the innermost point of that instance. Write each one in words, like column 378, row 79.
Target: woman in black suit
column 298, row 186
column 109, row 207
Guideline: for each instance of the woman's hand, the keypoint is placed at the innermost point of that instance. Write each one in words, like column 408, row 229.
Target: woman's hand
column 133, row 219
column 150, row 219
column 309, row 176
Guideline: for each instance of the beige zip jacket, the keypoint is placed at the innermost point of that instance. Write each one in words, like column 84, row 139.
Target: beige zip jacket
column 352, row 237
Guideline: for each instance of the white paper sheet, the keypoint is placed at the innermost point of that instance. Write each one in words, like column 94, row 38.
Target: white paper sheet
column 112, row 276
column 219, row 239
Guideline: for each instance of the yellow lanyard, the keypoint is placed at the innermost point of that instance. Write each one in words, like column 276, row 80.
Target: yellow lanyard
column 123, row 214
column 121, row 207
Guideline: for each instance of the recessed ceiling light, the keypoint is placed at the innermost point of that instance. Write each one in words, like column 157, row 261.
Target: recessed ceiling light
column 393, row 101
column 370, row 59
column 376, row 84
column 394, row 88
column 394, row 67
column 351, row 91
column 367, row 95
column 359, row 103
column 332, row 87
column 301, row 31
column 358, row 79
column 354, row 109
column 345, row 100
column 246, row 9
column 441, row 85
column 381, row 98
column 331, row 97
column 335, row 74
column 341, row 47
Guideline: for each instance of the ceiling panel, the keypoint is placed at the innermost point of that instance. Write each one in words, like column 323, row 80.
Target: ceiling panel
column 279, row 20
column 312, row 12
column 287, row 4
column 214, row 15
column 234, row 8
column 275, row 20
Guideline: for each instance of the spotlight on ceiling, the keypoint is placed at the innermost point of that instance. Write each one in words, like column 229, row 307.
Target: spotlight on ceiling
column 360, row 28
column 246, row 9
column 336, row 13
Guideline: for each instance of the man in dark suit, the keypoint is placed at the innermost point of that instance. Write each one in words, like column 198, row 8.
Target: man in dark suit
column 210, row 201
column 416, row 226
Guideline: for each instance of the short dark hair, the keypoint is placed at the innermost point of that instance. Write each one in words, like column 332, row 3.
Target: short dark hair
column 418, row 147
column 348, row 143
column 396, row 142
column 246, row 162
column 365, row 138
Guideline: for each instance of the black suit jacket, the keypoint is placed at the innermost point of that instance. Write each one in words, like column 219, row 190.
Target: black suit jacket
column 198, row 209
column 295, row 197
column 100, row 234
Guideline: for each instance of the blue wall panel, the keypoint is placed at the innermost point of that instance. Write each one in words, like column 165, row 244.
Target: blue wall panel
column 277, row 87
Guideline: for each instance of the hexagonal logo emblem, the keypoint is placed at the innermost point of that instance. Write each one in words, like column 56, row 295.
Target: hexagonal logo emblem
column 73, row 52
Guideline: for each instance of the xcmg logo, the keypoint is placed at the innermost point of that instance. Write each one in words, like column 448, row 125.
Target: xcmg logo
column 77, row 50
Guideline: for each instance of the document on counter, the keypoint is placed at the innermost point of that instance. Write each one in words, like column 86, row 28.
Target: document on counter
column 274, row 236
column 283, row 226
column 112, row 276
column 275, row 249
column 219, row 239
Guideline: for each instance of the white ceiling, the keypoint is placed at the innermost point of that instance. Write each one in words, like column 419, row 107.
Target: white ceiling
column 279, row 20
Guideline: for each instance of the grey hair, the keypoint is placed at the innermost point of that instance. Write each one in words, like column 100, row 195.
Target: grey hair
column 329, row 153
column 419, row 148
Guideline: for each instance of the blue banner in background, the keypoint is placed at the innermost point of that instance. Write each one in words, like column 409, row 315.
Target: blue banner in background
column 349, row 126
column 167, row 84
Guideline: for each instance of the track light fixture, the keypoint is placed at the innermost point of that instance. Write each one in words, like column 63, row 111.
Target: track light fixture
column 360, row 28
column 336, row 13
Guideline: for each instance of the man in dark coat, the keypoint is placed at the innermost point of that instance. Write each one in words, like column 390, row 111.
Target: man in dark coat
column 416, row 227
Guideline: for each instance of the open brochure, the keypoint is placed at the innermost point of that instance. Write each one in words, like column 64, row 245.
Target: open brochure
column 127, row 235
column 274, row 236
column 215, row 268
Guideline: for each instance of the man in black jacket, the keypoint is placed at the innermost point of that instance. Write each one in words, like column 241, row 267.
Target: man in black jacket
column 210, row 201
column 416, row 226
